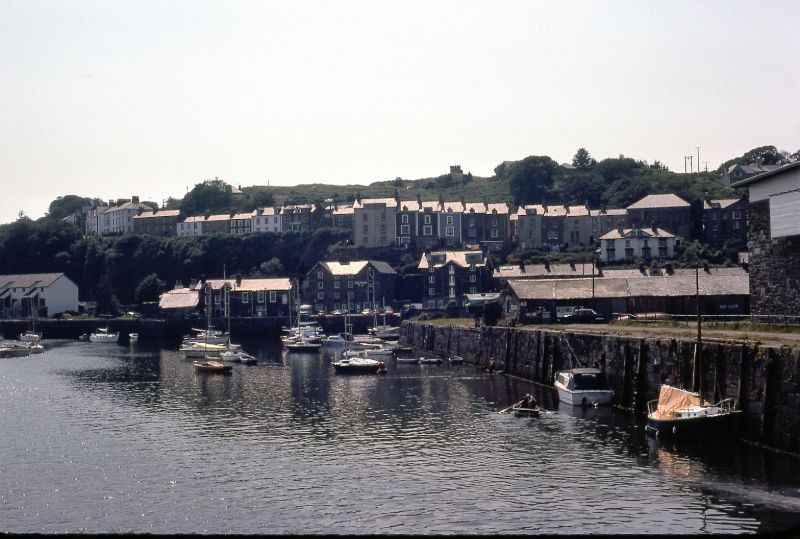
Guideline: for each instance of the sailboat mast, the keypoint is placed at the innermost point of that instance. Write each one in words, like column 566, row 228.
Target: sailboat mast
column 697, row 371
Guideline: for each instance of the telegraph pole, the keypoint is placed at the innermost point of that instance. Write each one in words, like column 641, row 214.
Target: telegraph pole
column 684, row 164
column 691, row 168
column 698, row 158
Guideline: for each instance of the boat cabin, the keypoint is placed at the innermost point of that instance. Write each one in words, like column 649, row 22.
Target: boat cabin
column 584, row 379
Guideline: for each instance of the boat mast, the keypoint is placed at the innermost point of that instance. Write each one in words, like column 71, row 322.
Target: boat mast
column 697, row 383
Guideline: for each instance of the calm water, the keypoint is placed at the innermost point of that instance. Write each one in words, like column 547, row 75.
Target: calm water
column 128, row 439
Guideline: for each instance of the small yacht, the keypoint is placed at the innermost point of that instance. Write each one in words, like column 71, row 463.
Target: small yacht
column 354, row 364
column 104, row 335
column 584, row 386
column 681, row 414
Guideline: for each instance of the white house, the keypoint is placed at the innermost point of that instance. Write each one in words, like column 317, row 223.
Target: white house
column 630, row 243
column 41, row 294
column 119, row 219
column 191, row 226
column 267, row 220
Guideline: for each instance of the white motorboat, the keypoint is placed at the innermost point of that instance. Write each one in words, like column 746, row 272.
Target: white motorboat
column 456, row 360
column 430, row 360
column 133, row 337
column 104, row 335
column 303, row 345
column 30, row 336
column 335, row 341
column 380, row 353
column 14, row 350
column 209, row 336
column 388, row 333
column 35, row 347
column 583, row 386
column 408, row 361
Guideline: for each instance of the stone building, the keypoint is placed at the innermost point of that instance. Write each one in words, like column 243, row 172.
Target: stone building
column 665, row 211
column 637, row 243
column 738, row 173
column 773, row 240
column 724, row 220
column 553, row 227
column 353, row 285
column 449, row 275
column 156, row 223
column 267, row 220
column 606, row 220
column 374, row 222
column 298, row 217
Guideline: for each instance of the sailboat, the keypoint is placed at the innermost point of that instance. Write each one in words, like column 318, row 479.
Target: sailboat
column 210, row 365
column 682, row 414
column 31, row 335
column 234, row 353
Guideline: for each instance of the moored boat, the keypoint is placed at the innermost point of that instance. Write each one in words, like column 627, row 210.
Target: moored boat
column 407, row 360
column 524, row 411
column 430, row 360
column 357, row 365
column 456, row 360
column 583, row 386
column 201, row 350
column 681, row 414
column 104, row 335
column 212, row 366
column 14, row 350
column 303, row 345
column 30, row 336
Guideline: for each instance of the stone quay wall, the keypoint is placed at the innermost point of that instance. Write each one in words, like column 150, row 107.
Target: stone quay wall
column 765, row 381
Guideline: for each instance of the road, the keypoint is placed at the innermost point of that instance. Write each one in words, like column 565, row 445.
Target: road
column 766, row 338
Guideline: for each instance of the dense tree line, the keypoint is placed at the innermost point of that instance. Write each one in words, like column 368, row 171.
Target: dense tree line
column 131, row 268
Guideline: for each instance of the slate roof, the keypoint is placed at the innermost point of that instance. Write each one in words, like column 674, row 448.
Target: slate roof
column 666, row 200
column 626, row 233
column 159, row 213
column 457, row 257
column 355, row 266
column 763, row 176
column 555, row 210
column 250, row 285
column 179, row 298
column 389, row 202
column 540, row 271
column 28, row 280
column 614, row 211
column 721, row 203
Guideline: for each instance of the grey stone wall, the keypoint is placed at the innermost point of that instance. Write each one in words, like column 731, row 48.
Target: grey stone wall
column 764, row 381
column 774, row 266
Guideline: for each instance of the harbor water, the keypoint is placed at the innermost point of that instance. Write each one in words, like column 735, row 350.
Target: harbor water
column 109, row 438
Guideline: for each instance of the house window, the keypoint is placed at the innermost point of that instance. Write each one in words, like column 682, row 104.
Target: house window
column 473, row 278
column 383, row 229
column 261, row 296
column 349, row 284
column 350, row 294
column 273, row 296
column 449, row 231
column 452, row 270
column 628, row 252
column 320, row 295
column 427, row 219
column 405, row 230
column 494, row 220
column 427, row 230
column 320, row 274
column 431, row 279
column 404, row 218
column 452, row 292
column 321, row 285
column 336, row 283
column 449, row 219
column 610, row 254
column 431, row 291
column 216, row 299
column 245, row 297
column 495, row 233
column 366, row 218
column 473, row 290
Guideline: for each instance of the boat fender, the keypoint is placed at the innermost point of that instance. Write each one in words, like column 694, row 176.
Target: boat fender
column 675, row 429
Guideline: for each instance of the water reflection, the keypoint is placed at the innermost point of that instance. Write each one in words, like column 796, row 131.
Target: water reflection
column 288, row 446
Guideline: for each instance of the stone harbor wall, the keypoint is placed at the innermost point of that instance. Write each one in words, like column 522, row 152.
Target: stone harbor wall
column 765, row 381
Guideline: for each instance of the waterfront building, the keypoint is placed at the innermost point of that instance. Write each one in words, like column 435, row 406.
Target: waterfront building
column 179, row 302
column 627, row 244
column 248, row 298
column 267, row 220
column 37, row 294
column 665, row 211
column 773, row 240
column 724, row 220
column 572, row 270
column 722, row 291
column 449, row 275
column 156, row 223
column 352, row 285
column 217, row 224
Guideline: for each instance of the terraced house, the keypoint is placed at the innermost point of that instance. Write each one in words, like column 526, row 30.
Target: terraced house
column 353, row 285
column 374, row 222
column 156, row 223
column 449, row 275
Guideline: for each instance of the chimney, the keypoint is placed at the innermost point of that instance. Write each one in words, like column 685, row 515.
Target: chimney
column 419, row 201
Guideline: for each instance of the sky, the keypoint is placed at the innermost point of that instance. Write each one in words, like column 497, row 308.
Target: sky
column 113, row 99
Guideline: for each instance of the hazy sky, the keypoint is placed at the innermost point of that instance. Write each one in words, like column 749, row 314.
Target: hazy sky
column 118, row 98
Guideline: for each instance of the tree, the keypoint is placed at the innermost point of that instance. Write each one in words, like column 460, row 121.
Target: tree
column 67, row 205
column 582, row 160
column 107, row 302
column 209, row 196
column 531, row 179
column 273, row 266
column 149, row 289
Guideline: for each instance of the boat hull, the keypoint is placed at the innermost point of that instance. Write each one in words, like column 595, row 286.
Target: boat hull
column 526, row 412
column 584, row 397
column 104, row 338
column 355, row 369
column 711, row 427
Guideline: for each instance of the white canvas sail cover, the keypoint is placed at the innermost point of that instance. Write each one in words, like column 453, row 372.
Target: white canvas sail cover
column 671, row 399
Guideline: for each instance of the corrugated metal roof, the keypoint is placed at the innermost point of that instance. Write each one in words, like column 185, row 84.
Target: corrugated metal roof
column 641, row 286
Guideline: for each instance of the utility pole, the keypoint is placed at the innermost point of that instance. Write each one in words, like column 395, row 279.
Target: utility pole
column 684, row 164
column 691, row 168
column 698, row 158
column 706, row 164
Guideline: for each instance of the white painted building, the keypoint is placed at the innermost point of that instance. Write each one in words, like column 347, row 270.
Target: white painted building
column 40, row 294
column 630, row 243
column 119, row 219
column 267, row 220
column 191, row 226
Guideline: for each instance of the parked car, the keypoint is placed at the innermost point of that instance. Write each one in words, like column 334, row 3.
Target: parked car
column 582, row 316
column 389, row 311
column 336, row 312
column 305, row 310
column 366, row 311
